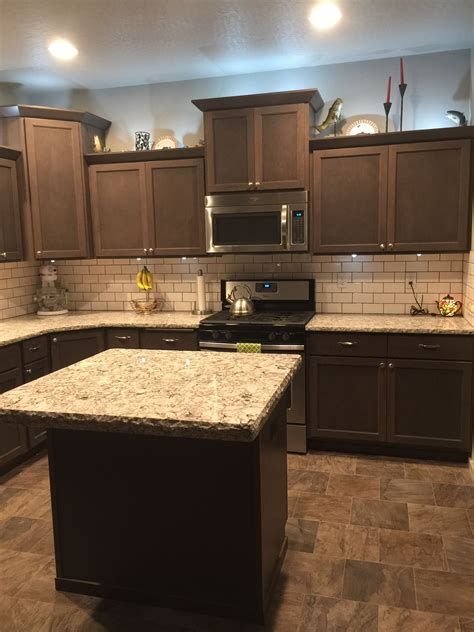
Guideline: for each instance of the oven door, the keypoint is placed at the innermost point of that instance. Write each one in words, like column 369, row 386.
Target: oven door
column 247, row 229
column 296, row 414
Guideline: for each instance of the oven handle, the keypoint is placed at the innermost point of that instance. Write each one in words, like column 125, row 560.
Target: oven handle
column 233, row 345
column 284, row 225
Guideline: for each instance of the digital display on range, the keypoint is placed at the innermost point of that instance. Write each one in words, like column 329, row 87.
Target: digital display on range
column 266, row 286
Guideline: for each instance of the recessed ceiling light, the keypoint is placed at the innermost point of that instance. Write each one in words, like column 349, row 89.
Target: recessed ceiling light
column 62, row 49
column 325, row 15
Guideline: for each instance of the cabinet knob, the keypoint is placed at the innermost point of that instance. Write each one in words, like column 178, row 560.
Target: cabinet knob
column 54, row 340
column 151, row 250
column 39, row 252
column 257, row 184
column 250, row 184
column 390, row 245
column 145, row 251
column 382, row 246
column 4, row 255
column 382, row 365
column 391, row 365
column 28, row 371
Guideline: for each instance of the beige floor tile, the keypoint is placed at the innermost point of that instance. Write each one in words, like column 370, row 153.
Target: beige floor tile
column 449, row 593
column 412, row 549
column 402, row 620
column 307, row 481
column 441, row 520
column 352, row 485
column 323, row 614
column 448, row 495
column 406, row 491
column 379, row 513
column 301, row 534
column 328, row 508
column 347, row 541
column 460, row 554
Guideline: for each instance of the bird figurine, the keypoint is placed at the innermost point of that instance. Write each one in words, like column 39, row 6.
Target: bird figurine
column 456, row 117
column 333, row 116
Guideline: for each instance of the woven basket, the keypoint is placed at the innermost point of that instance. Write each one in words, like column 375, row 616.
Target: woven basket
column 145, row 306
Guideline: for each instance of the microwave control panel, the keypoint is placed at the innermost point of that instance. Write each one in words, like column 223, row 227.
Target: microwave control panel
column 297, row 227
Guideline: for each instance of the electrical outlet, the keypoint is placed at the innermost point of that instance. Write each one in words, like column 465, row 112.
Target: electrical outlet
column 410, row 277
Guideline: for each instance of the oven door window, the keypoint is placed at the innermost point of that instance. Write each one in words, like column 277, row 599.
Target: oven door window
column 246, row 229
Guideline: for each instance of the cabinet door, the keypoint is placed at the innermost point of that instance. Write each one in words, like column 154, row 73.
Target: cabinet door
column 429, row 403
column 58, row 205
column 347, row 398
column 174, row 339
column 428, row 196
column 10, row 228
column 12, row 437
column 176, row 199
column 349, row 193
column 72, row 346
column 31, row 372
column 120, row 216
column 230, row 152
column 281, row 147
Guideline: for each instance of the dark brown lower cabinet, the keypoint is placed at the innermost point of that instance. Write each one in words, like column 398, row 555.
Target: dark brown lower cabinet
column 174, row 339
column 13, row 440
column 33, row 371
column 429, row 403
column 347, row 398
column 72, row 346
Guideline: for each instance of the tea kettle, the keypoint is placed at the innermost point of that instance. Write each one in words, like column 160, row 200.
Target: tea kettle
column 241, row 306
column 448, row 306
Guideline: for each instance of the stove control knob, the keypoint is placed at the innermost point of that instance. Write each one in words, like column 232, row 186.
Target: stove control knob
column 228, row 335
column 271, row 336
column 285, row 337
column 216, row 334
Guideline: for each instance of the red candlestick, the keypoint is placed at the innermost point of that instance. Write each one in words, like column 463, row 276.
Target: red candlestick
column 402, row 78
column 389, row 85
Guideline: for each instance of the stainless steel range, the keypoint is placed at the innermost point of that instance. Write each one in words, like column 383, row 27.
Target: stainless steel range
column 282, row 309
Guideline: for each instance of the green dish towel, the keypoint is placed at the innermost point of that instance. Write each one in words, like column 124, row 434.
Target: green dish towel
column 249, row 347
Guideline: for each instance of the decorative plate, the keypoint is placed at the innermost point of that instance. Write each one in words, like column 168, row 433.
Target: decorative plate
column 166, row 142
column 361, row 126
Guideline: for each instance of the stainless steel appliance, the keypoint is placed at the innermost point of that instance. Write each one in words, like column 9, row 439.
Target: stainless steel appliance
column 257, row 222
column 282, row 309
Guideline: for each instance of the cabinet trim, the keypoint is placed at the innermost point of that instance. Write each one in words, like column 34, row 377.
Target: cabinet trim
column 17, row 254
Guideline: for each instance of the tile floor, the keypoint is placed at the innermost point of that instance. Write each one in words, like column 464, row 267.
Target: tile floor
column 375, row 544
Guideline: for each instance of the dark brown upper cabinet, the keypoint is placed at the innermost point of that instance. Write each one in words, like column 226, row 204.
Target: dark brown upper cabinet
column 120, row 216
column 428, row 196
column 258, row 142
column 54, row 199
column 58, row 200
column 176, row 202
column 10, row 223
column 148, row 208
column 350, row 199
column 409, row 197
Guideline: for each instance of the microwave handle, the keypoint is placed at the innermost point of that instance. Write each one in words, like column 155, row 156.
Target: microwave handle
column 284, row 225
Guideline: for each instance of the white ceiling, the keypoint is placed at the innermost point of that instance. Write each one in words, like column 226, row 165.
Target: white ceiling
column 132, row 42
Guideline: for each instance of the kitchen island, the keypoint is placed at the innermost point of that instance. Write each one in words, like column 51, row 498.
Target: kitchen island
column 168, row 475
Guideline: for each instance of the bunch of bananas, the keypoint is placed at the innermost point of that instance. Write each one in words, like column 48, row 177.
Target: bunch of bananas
column 145, row 279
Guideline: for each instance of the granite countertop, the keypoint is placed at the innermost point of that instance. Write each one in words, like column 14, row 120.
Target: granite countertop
column 23, row 327
column 390, row 324
column 212, row 395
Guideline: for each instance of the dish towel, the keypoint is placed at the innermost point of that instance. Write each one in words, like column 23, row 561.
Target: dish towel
column 249, row 347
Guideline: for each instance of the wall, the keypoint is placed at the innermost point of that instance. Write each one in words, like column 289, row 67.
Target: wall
column 436, row 82
column 18, row 282
column 368, row 284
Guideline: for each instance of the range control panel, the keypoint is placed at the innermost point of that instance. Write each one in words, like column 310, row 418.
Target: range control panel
column 298, row 227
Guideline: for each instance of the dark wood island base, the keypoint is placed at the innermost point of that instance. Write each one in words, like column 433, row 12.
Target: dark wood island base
column 191, row 524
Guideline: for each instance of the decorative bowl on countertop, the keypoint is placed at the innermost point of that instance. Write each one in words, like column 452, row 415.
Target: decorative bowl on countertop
column 145, row 306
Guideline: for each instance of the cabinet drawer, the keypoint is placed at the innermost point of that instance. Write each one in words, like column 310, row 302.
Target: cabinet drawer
column 34, row 370
column 10, row 358
column 121, row 338
column 34, row 349
column 427, row 347
column 348, row 344
column 178, row 339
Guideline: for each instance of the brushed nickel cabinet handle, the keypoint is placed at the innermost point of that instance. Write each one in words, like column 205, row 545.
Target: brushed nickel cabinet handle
column 250, row 184
column 39, row 252
column 390, row 245
column 423, row 346
column 170, row 339
column 31, row 349
column 123, row 337
column 382, row 365
column 347, row 343
column 145, row 250
column 391, row 366
column 28, row 371
column 54, row 340
column 4, row 255
column 151, row 250
column 257, row 184
column 382, row 246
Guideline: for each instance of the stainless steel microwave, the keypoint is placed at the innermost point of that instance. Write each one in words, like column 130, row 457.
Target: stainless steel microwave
column 257, row 222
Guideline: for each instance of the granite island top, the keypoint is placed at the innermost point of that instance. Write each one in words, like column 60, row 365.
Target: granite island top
column 23, row 327
column 391, row 324
column 212, row 395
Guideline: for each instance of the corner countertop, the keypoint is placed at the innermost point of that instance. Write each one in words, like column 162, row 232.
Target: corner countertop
column 24, row 327
column 213, row 395
column 369, row 323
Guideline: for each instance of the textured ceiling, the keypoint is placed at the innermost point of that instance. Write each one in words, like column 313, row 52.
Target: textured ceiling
column 131, row 42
